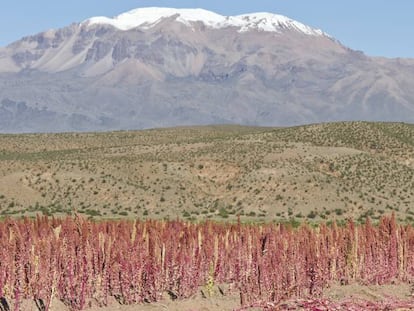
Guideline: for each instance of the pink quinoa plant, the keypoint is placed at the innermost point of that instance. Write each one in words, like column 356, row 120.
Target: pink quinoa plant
column 77, row 261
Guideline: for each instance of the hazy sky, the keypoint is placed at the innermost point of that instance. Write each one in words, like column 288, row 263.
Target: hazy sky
column 377, row 27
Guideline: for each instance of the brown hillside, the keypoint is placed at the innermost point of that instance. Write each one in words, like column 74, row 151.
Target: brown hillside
column 316, row 172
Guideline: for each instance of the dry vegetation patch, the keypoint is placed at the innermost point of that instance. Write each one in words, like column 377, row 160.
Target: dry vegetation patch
column 315, row 172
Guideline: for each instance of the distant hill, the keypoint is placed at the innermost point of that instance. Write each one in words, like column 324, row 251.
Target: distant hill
column 317, row 172
column 160, row 67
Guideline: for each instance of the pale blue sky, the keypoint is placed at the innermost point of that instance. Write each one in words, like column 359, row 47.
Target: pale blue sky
column 377, row 27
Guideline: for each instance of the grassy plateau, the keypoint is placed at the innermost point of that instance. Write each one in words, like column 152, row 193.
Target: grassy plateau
column 317, row 173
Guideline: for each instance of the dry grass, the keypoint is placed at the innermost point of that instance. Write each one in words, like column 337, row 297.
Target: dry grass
column 316, row 172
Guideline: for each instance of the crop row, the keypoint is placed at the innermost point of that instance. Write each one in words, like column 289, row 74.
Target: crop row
column 79, row 261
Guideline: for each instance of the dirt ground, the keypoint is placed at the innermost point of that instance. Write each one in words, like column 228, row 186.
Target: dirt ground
column 219, row 302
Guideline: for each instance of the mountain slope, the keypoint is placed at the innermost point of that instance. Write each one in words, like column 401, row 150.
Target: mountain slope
column 158, row 67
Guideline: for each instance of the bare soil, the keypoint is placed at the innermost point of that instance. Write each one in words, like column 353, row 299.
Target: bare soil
column 220, row 302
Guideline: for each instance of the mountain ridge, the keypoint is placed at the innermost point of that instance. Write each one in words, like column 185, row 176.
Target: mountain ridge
column 98, row 78
column 148, row 17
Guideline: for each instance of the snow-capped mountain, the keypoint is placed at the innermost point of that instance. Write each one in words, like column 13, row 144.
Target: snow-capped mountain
column 145, row 18
column 154, row 67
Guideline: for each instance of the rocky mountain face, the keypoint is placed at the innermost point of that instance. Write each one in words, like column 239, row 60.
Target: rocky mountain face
column 164, row 67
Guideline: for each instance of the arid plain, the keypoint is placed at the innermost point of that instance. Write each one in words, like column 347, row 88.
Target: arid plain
column 320, row 172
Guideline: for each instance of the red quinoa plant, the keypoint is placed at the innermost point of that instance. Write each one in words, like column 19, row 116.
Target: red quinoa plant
column 79, row 261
